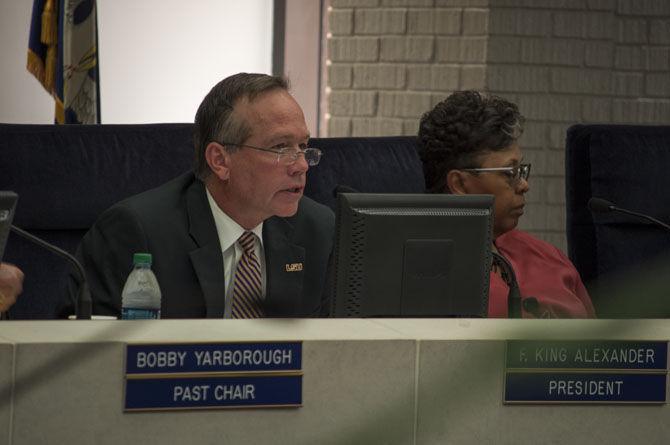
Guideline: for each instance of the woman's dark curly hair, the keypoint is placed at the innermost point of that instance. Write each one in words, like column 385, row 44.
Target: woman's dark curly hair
column 462, row 127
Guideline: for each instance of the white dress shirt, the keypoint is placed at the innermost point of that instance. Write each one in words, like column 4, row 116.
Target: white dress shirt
column 229, row 232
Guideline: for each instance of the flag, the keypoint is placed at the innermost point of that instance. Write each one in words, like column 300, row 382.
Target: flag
column 63, row 56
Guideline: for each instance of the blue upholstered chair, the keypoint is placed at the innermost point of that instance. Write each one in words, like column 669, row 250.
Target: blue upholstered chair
column 67, row 175
column 624, row 261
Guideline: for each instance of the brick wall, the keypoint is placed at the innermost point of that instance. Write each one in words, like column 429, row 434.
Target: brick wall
column 562, row 61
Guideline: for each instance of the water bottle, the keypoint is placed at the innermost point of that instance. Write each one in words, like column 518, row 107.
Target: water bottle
column 141, row 296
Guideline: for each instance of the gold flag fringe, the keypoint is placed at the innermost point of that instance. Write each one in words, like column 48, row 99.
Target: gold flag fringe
column 60, row 111
column 49, row 34
column 36, row 67
column 50, row 69
column 45, row 70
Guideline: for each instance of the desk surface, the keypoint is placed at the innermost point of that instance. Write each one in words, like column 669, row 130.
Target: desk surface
column 368, row 381
column 74, row 331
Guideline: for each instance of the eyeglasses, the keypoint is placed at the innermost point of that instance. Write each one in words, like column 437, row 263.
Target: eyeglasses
column 288, row 155
column 514, row 174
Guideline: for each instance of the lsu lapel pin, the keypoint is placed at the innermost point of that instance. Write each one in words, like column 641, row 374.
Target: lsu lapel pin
column 293, row 267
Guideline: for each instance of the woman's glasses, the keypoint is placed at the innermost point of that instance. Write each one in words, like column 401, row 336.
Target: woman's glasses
column 514, row 174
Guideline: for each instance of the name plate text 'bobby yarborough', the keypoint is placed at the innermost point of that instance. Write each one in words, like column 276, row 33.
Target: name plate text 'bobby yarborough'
column 213, row 375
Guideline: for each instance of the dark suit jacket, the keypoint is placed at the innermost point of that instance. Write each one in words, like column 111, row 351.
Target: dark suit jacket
column 175, row 224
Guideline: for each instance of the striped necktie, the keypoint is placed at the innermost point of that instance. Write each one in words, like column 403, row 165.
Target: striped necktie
column 247, row 282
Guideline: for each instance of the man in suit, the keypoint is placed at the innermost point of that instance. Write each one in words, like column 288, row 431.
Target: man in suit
column 251, row 158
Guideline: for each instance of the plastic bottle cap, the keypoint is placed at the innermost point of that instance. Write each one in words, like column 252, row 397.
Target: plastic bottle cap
column 142, row 258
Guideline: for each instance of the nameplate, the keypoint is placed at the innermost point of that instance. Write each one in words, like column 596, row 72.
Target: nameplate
column 606, row 372
column 217, row 357
column 213, row 375
column 550, row 387
column 259, row 391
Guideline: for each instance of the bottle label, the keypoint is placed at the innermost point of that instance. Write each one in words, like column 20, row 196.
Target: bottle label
column 140, row 314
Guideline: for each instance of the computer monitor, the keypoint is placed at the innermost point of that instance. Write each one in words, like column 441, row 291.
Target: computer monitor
column 7, row 205
column 412, row 255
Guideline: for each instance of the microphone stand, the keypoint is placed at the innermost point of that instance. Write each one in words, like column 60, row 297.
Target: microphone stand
column 508, row 275
column 600, row 205
column 84, row 304
column 640, row 215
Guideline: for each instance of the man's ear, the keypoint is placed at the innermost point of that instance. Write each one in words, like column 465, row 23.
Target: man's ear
column 457, row 182
column 218, row 159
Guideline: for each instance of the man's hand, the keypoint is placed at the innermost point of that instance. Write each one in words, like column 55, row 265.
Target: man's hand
column 11, row 285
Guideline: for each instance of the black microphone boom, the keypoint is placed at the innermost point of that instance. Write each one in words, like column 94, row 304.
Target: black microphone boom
column 84, row 304
column 514, row 295
column 600, row 205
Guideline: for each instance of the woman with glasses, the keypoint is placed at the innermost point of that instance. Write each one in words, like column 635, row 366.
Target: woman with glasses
column 469, row 145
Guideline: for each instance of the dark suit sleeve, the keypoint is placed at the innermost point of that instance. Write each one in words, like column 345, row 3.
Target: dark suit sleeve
column 313, row 230
column 106, row 252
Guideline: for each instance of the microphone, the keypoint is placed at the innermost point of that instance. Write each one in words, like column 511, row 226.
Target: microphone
column 532, row 306
column 514, row 295
column 84, row 304
column 599, row 205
